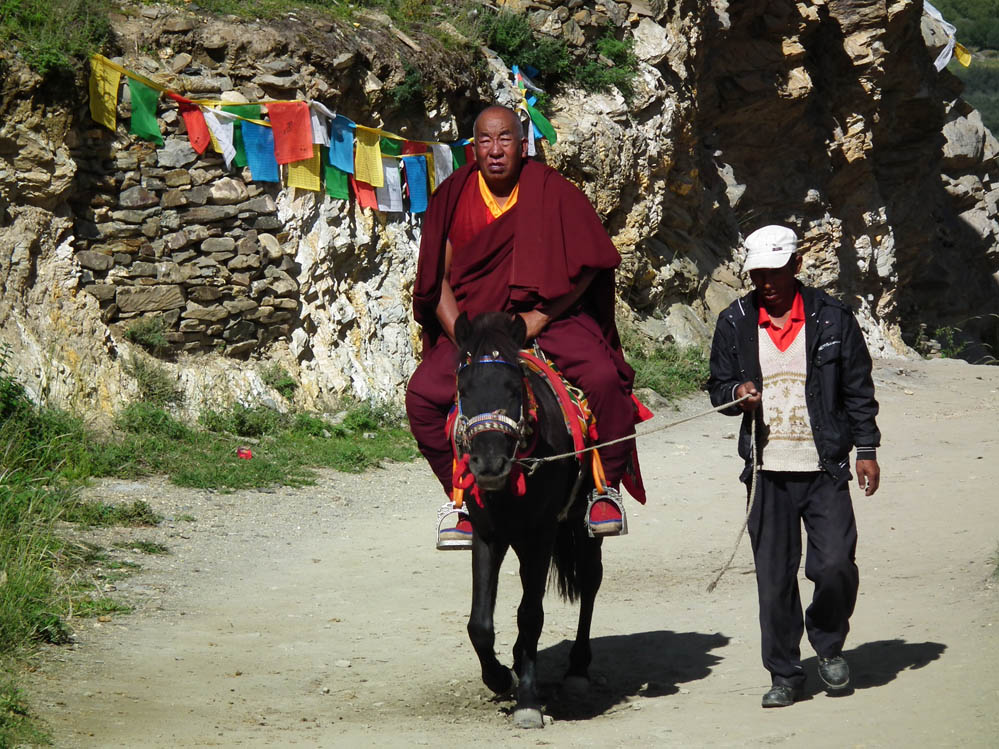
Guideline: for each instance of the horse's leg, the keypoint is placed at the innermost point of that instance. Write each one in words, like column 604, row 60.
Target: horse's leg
column 486, row 561
column 530, row 619
column 590, row 572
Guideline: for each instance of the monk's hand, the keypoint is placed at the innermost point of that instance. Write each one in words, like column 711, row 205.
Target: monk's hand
column 535, row 320
column 869, row 476
column 753, row 401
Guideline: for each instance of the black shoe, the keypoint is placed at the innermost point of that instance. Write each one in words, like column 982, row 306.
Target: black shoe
column 781, row 695
column 835, row 672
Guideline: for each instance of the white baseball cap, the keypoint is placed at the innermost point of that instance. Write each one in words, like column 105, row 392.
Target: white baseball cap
column 769, row 247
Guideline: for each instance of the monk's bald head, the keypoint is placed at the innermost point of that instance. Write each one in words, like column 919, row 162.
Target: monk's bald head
column 500, row 148
column 498, row 110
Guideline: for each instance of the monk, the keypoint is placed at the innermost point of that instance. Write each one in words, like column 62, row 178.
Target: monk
column 507, row 233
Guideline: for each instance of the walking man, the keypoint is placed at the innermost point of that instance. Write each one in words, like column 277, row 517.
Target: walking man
column 800, row 357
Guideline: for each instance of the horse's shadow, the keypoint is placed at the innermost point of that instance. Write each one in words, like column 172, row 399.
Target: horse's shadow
column 874, row 664
column 647, row 664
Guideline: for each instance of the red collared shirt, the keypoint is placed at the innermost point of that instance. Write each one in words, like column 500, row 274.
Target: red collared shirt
column 784, row 337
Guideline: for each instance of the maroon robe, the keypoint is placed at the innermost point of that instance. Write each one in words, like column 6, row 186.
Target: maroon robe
column 531, row 255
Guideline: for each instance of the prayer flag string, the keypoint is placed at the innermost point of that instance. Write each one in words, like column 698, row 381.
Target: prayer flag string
column 383, row 170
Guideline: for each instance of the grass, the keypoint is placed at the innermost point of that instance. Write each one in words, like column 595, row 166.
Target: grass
column 155, row 383
column 672, row 371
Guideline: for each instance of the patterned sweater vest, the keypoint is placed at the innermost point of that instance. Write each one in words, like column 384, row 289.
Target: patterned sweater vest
column 789, row 445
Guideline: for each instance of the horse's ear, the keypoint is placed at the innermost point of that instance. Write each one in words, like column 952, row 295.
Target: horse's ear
column 518, row 331
column 462, row 328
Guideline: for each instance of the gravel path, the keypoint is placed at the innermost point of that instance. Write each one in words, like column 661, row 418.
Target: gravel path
column 323, row 616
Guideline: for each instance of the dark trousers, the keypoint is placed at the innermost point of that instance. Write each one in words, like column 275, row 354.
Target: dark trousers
column 579, row 350
column 783, row 500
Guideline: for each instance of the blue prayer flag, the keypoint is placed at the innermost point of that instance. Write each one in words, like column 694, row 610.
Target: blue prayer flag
column 416, row 178
column 259, row 142
column 341, row 153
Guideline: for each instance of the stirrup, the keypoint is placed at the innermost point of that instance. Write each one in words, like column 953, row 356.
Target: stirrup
column 610, row 494
column 452, row 541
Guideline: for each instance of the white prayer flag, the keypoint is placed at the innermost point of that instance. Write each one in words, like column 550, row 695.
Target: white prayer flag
column 389, row 196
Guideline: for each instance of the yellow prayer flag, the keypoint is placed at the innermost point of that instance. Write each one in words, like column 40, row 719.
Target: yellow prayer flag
column 104, row 82
column 305, row 174
column 962, row 54
column 215, row 144
column 368, row 157
column 430, row 168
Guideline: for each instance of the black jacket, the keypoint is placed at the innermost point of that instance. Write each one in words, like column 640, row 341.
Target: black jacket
column 839, row 389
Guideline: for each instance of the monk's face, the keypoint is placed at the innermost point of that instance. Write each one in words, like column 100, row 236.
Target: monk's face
column 500, row 148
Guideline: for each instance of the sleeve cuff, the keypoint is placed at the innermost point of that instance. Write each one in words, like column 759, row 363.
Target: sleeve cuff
column 867, row 453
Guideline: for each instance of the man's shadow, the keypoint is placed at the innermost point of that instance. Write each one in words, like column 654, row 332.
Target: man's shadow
column 647, row 664
column 874, row 664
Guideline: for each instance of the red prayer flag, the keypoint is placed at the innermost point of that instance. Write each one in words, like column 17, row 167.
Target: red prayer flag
column 469, row 153
column 197, row 128
column 410, row 147
column 365, row 194
column 292, row 131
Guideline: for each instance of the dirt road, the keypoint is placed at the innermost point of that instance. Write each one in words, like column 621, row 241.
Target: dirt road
column 323, row 616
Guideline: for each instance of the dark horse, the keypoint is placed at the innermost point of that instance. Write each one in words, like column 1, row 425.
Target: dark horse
column 534, row 518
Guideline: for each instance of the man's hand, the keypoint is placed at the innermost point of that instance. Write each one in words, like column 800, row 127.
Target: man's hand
column 868, row 475
column 753, row 401
column 535, row 320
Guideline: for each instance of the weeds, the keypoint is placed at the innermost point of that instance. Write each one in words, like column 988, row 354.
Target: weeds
column 101, row 514
column 144, row 547
column 103, row 606
column 275, row 376
column 156, row 385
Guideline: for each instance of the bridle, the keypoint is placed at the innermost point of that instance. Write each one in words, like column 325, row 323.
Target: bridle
column 466, row 428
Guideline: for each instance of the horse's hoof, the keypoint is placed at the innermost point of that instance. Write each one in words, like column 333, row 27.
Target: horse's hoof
column 528, row 717
column 576, row 686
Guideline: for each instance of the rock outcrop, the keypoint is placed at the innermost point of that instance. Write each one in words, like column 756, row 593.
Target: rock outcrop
column 827, row 116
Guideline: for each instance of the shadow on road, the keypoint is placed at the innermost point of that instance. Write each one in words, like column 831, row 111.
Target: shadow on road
column 646, row 664
column 874, row 664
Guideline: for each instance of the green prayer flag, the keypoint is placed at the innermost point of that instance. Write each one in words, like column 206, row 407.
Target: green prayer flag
column 542, row 124
column 250, row 111
column 336, row 182
column 144, row 122
column 390, row 146
column 458, row 156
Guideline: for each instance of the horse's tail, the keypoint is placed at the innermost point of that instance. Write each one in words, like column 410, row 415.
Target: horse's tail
column 564, row 571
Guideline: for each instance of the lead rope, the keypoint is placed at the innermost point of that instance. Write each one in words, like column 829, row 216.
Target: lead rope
column 749, row 504
column 533, row 463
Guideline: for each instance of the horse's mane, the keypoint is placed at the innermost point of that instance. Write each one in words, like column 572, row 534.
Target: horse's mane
column 492, row 332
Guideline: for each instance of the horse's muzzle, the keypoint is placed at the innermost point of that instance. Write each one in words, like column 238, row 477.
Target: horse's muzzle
column 491, row 471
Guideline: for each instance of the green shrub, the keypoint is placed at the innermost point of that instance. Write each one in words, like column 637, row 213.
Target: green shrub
column 409, row 92
column 54, row 35
column 150, row 333
column 510, row 36
column 244, row 421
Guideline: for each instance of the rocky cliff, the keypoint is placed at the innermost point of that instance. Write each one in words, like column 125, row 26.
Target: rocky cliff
column 828, row 116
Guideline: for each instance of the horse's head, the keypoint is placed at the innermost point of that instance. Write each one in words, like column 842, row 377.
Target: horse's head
column 491, row 407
